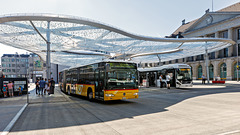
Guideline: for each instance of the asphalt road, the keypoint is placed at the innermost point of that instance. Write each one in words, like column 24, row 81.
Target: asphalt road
column 207, row 110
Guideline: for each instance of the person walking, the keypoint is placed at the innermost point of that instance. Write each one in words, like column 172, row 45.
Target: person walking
column 37, row 86
column 161, row 80
column 42, row 85
column 52, row 86
column 168, row 78
column 10, row 88
column 4, row 89
column 203, row 79
column 46, row 86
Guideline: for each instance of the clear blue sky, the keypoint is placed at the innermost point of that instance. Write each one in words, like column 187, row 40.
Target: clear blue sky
column 156, row 18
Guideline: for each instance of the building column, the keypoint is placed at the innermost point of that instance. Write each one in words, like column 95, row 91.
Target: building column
column 216, row 68
column 230, row 36
column 229, row 64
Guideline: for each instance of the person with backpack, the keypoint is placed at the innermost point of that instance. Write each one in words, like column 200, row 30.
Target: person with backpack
column 4, row 89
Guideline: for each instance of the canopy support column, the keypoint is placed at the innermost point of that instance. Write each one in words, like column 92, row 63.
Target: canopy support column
column 48, row 52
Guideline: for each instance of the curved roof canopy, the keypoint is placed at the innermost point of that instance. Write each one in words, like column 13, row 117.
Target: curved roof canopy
column 78, row 41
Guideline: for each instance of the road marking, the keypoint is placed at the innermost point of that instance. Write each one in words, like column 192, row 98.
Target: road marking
column 10, row 125
column 230, row 132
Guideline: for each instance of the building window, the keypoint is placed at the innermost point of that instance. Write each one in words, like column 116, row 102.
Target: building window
column 199, row 72
column 31, row 64
column 200, row 57
column 183, row 60
column 212, row 55
column 223, row 34
column 223, row 71
column 238, row 49
column 9, row 65
column 4, row 70
column 211, row 35
column 225, row 52
column 13, row 60
column 176, row 61
column 211, row 72
column 170, row 62
column 13, row 70
column 4, row 65
column 238, row 34
column 8, row 70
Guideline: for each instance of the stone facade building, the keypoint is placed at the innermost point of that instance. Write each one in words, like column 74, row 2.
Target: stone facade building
column 224, row 23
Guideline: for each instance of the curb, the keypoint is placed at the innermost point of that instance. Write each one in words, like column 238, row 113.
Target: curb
column 13, row 121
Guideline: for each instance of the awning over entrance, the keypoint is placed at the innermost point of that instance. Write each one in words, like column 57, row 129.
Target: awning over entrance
column 78, row 41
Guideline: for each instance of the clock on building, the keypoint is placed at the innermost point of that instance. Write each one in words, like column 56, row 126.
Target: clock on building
column 209, row 19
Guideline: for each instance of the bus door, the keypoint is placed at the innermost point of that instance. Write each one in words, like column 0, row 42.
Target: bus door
column 99, row 78
column 172, row 74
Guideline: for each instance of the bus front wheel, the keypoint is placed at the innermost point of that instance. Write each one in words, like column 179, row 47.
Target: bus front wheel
column 90, row 95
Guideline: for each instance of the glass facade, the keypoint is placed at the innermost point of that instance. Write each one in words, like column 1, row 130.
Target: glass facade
column 223, row 71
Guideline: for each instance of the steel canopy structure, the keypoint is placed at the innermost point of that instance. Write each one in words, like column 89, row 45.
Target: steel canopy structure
column 78, row 41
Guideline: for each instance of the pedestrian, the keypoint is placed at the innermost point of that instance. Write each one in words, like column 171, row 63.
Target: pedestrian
column 20, row 90
column 161, row 80
column 203, row 79
column 41, row 86
column 4, row 89
column 52, row 86
column 168, row 78
column 46, row 86
column 37, row 86
column 10, row 88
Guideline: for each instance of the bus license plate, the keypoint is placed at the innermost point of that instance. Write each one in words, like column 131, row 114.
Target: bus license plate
column 124, row 98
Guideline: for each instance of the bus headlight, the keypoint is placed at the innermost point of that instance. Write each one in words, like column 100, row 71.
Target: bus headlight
column 135, row 94
column 109, row 95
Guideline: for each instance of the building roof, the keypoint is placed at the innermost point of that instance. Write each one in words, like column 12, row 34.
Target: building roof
column 233, row 8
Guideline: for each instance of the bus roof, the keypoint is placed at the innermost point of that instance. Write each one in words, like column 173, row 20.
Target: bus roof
column 99, row 62
column 170, row 66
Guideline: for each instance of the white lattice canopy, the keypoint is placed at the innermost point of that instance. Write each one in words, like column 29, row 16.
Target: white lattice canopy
column 78, row 41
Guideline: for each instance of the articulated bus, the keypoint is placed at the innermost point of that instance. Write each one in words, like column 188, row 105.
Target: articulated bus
column 106, row 80
column 181, row 75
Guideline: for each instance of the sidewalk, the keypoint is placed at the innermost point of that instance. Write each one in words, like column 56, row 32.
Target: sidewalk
column 9, row 107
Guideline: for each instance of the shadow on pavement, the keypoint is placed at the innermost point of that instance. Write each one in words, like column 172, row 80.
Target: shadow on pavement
column 75, row 111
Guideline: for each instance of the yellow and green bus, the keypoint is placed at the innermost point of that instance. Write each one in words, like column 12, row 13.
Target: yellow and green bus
column 106, row 80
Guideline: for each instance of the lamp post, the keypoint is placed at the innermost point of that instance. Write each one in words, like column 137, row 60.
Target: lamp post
column 206, row 60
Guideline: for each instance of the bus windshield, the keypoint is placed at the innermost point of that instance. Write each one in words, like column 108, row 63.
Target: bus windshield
column 121, row 76
column 184, row 74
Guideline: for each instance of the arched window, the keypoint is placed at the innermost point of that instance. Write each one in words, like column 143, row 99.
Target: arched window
column 211, row 72
column 199, row 72
column 223, row 71
column 235, row 71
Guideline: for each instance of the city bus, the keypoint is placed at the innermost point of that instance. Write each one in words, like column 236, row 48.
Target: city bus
column 181, row 75
column 106, row 80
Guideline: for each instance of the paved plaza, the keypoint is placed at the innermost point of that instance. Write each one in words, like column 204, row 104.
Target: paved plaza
column 203, row 109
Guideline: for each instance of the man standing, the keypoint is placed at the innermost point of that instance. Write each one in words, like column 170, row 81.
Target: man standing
column 52, row 82
column 10, row 88
column 203, row 79
column 42, row 86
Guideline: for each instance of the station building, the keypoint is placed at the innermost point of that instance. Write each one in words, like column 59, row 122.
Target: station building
column 224, row 23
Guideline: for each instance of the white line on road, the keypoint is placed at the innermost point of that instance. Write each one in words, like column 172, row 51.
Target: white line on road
column 230, row 132
column 10, row 125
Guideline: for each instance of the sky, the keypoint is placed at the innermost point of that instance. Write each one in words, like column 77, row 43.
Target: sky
column 156, row 18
